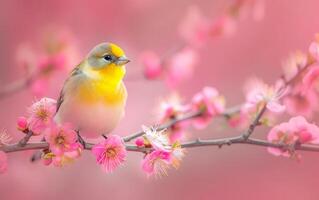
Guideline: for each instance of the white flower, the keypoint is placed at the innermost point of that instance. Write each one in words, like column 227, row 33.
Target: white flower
column 158, row 139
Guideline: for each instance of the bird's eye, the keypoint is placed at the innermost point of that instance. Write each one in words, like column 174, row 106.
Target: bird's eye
column 108, row 57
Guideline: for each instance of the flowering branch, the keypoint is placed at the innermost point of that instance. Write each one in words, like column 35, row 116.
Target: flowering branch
column 57, row 53
column 163, row 145
column 190, row 144
column 195, row 31
column 242, row 139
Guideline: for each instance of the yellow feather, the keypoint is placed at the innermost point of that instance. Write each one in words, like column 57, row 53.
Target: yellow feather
column 116, row 50
column 104, row 85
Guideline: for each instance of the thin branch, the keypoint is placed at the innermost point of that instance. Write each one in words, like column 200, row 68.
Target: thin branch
column 26, row 138
column 259, row 115
column 29, row 146
column 190, row 144
column 165, row 126
column 255, row 122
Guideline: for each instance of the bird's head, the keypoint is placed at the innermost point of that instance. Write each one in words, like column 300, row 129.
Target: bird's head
column 107, row 59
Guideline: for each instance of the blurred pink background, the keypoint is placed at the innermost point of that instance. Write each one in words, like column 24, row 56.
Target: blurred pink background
column 236, row 172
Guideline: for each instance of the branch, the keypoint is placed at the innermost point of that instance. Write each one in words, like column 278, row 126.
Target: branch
column 166, row 125
column 26, row 138
column 255, row 122
column 289, row 82
column 190, row 144
column 242, row 139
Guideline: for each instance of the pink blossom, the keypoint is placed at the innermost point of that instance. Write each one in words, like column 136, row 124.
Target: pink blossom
column 51, row 63
column 22, row 123
column 223, row 26
column 152, row 65
column 301, row 103
column 61, row 42
column 3, row 162
column 260, row 93
column 211, row 102
column 172, row 108
column 311, row 77
column 139, row 142
column 239, row 119
column 41, row 115
column 46, row 67
column 293, row 64
column 180, row 66
column 176, row 133
column 68, row 156
column 39, row 86
column 297, row 129
column 61, row 138
column 47, row 159
column 194, row 29
column 72, row 153
column 110, row 153
column 58, row 54
column 157, row 162
column 75, row 151
column 314, row 48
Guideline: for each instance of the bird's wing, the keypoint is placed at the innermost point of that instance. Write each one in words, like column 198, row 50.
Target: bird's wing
column 75, row 72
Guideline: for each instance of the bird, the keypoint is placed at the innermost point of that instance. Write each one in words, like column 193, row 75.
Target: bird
column 93, row 97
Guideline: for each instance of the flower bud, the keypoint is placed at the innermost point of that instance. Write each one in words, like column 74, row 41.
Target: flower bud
column 139, row 142
column 22, row 123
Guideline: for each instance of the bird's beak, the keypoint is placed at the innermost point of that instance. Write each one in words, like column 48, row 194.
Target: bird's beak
column 122, row 60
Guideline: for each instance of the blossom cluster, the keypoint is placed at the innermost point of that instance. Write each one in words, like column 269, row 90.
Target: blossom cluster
column 62, row 139
column 208, row 102
column 196, row 30
column 294, row 132
column 57, row 54
column 163, row 147
column 166, row 143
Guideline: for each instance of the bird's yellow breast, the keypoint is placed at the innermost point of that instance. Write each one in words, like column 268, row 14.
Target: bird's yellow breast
column 104, row 86
column 99, row 91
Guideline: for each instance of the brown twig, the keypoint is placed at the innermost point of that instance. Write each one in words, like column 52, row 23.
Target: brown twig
column 26, row 138
column 255, row 122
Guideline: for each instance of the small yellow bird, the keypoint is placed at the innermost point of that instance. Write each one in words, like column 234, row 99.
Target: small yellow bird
column 93, row 98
